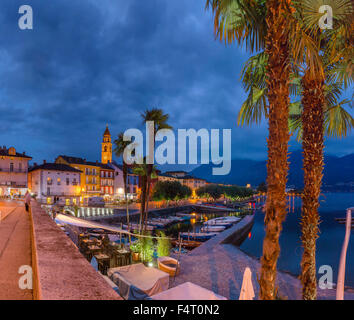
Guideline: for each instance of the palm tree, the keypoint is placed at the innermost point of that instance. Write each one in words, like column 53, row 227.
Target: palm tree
column 160, row 122
column 120, row 146
column 318, row 109
column 313, row 121
column 143, row 170
column 244, row 21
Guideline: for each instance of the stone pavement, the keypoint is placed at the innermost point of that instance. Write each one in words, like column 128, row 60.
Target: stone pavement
column 15, row 249
column 219, row 266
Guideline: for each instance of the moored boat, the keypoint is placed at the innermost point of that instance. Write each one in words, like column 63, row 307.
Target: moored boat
column 210, row 228
column 169, row 265
column 198, row 236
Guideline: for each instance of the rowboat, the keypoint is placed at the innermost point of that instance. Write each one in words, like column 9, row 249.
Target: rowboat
column 169, row 265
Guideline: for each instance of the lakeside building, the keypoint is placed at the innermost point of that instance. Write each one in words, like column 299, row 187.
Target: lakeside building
column 107, row 180
column 184, row 178
column 55, row 183
column 90, row 174
column 132, row 182
column 13, row 172
column 176, row 174
column 166, row 177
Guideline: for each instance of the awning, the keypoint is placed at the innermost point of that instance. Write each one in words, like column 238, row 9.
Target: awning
column 65, row 219
column 61, row 218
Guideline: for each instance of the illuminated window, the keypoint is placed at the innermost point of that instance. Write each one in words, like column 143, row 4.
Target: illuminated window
column 49, row 200
column 67, row 202
column 74, row 201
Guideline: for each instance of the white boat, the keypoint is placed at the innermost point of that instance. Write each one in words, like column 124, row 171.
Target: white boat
column 136, row 226
column 209, row 228
column 199, row 236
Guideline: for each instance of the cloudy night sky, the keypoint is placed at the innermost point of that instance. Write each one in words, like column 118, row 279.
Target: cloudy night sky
column 90, row 63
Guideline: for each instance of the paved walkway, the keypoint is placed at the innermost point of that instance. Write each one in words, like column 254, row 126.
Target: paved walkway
column 15, row 249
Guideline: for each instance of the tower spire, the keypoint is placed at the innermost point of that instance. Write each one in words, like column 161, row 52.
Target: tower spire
column 106, row 153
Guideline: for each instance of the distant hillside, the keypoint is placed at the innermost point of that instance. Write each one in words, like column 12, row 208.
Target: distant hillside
column 338, row 172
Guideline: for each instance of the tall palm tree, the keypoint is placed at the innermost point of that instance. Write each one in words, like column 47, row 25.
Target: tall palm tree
column 120, row 146
column 160, row 122
column 244, row 21
column 318, row 109
column 313, row 121
column 143, row 170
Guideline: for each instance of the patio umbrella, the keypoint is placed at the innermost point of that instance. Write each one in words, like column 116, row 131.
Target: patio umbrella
column 247, row 292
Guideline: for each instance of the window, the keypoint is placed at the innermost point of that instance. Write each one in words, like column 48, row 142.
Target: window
column 58, row 181
column 94, row 172
column 20, row 166
column 67, row 202
column 67, row 181
column 11, row 167
column 49, row 181
column 74, row 201
column 48, row 191
column 49, row 200
column 87, row 171
column 74, row 182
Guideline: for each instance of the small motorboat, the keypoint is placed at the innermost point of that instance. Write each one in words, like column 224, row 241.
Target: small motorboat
column 186, row 244
column 210, row 228
column 136, row 226
column 169, row 265
column 198, row 236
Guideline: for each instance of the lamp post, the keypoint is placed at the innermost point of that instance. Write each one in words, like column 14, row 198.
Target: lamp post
column 341, row 271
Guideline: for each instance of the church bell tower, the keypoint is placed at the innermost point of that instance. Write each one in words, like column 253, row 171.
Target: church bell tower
column 106, row 147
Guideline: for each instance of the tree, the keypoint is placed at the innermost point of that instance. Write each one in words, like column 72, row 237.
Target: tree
column 143, row 170
column 160, row 122
column 120, row 146
column 244, row 21
column 170, row 190
column 320, row 88
column 210, row 190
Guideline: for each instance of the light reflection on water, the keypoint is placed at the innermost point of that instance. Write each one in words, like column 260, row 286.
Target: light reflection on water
column 329, row 244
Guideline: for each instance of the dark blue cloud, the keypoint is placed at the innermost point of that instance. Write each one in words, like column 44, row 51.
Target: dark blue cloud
column 88, row 63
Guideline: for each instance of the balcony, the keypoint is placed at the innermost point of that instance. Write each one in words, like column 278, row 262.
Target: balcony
column 13, row 184
column 13, row 170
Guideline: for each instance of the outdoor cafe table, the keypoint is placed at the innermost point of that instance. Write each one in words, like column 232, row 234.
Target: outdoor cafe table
column 103, row 262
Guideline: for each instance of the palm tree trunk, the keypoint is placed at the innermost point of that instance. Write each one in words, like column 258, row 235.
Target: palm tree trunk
column 143, row 202
column 277, row 48
column 312, row 143
column 147, row 201
column 125, row 178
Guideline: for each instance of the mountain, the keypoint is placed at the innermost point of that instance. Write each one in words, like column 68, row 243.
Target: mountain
column 338, row 172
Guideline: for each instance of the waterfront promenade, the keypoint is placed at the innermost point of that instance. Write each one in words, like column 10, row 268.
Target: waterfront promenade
column 15, row 249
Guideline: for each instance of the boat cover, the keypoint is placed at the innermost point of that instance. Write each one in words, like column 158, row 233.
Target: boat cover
column 188, row 291
column 137, row 282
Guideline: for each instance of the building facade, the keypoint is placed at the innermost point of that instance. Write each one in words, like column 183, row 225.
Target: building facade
column 107, row 180
column 13, row 172
column 90, row 174
column 55, row 183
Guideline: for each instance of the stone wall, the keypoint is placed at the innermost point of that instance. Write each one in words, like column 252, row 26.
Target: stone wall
column 60, row 271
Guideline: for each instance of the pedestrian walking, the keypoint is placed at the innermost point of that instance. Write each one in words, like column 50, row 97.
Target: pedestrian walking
column 27, row 200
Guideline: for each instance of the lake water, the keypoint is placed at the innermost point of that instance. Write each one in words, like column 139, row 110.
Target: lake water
column 329, row 244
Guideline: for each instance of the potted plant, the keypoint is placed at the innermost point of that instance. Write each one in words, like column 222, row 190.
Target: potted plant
column 135, row 247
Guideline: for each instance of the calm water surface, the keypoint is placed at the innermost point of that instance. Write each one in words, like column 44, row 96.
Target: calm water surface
column 329, row 244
